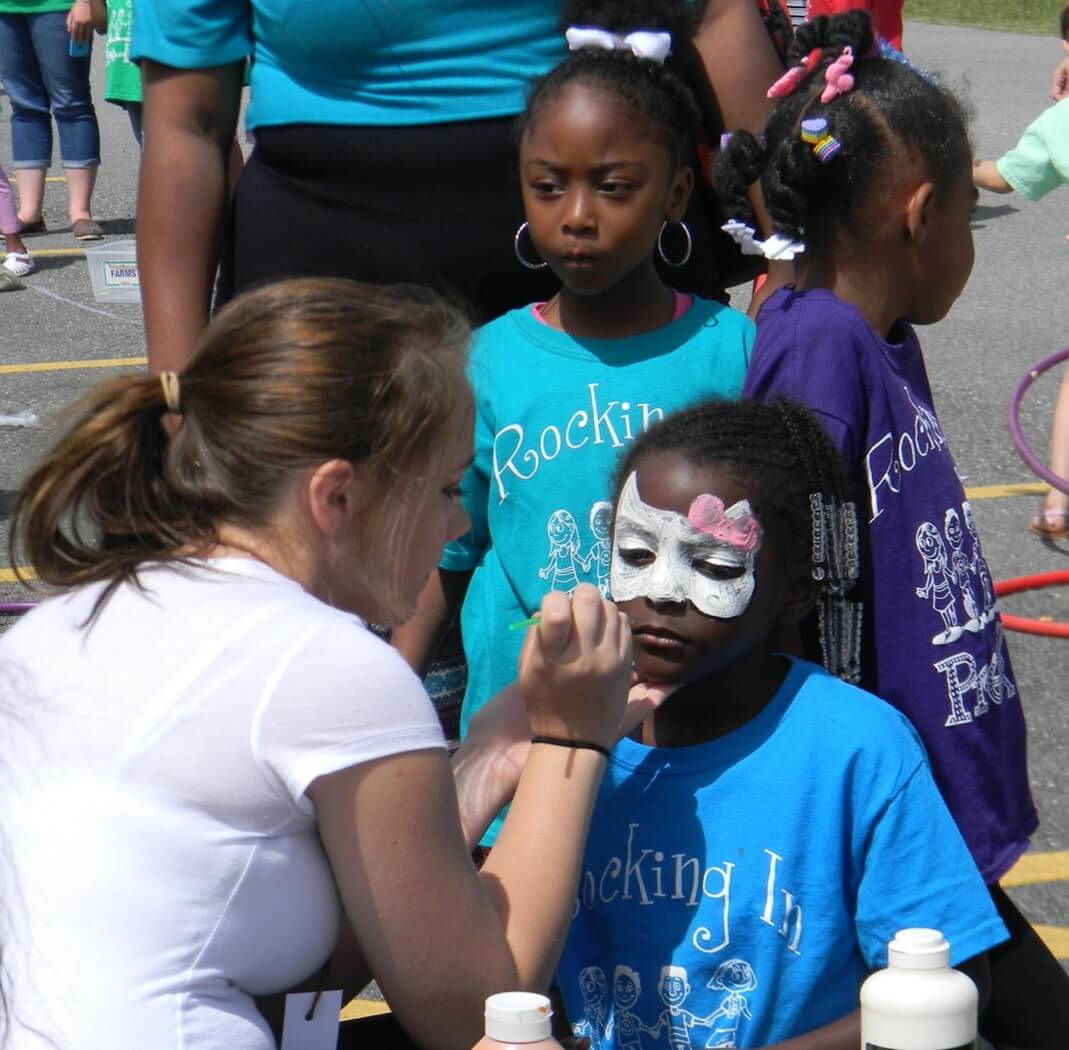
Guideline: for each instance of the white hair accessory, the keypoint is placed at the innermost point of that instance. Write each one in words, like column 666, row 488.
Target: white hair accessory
column 642, row 43
column 776, row 248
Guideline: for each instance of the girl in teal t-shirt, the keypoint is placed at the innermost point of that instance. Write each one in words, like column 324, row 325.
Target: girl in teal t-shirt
column 563, row 386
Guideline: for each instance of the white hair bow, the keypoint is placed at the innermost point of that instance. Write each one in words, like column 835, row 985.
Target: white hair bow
column 643, row 43
column 777, row 247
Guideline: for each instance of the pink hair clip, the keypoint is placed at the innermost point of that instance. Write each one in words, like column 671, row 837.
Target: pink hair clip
column 839, row 81
column 741, row 529
column 795, row 75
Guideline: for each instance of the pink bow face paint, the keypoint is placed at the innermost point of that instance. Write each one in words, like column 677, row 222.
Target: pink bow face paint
column 705, row 558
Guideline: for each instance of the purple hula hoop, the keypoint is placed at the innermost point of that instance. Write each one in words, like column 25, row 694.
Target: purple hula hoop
column 15, row 608
column 1019, row 442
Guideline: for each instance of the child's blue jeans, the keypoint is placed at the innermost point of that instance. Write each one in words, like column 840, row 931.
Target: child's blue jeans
column 43, row 81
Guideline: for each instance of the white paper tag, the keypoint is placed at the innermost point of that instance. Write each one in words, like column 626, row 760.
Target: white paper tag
column 319, row 1033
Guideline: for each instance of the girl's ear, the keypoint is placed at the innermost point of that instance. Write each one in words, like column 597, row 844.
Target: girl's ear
column 679, row 193
column 332, row 496
column 919, row 216
column 799, row 598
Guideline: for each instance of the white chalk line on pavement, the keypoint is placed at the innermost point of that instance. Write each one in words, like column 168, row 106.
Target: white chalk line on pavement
column 82, row 306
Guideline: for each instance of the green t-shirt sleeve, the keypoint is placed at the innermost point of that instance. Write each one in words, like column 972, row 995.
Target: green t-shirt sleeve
column 1039, row 162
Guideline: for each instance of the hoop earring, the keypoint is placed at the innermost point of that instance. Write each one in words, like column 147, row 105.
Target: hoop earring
column 686, row 254
column 519, row 255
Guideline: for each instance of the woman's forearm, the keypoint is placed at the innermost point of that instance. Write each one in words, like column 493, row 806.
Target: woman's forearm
column 189, row 121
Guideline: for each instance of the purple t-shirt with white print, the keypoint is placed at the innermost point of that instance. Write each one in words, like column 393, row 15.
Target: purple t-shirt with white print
column 933, row 641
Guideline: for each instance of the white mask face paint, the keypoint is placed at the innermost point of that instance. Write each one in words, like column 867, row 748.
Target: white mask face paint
column 681, row 555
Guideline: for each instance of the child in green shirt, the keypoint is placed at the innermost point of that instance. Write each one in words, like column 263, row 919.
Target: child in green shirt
column 122, row 79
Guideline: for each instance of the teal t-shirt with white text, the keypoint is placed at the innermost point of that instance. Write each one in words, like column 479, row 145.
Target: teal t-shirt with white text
column 554, row 416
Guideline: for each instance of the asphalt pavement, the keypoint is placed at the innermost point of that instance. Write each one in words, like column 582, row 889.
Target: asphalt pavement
column 1012, row 313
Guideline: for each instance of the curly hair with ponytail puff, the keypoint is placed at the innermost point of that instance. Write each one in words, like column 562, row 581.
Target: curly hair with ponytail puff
column 284, row 378
column 892, row 117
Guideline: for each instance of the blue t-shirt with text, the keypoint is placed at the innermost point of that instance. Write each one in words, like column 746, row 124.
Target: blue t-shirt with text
column 738, row 892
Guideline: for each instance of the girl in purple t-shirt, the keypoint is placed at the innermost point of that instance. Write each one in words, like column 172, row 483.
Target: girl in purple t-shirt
column 865, row 166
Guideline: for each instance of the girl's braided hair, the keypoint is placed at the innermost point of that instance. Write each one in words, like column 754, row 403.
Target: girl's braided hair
column 659, row 94
column 797, row 490
column 892, row 115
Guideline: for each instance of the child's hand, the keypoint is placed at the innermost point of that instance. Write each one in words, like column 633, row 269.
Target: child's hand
column 80, row 21
column 575, row 666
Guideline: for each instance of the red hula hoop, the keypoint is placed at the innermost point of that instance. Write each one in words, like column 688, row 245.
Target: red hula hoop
column 1037, row 468
column 1019, row 584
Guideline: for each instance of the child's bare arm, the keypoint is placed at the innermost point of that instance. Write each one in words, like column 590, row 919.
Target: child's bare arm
column 418, row 639
column 98, row 12
column 985, row 174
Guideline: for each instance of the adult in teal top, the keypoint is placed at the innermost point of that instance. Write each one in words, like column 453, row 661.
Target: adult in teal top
column 384, row 146
column 415, row 62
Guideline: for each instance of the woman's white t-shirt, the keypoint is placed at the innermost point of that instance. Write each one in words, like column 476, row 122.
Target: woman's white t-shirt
column 161, row 863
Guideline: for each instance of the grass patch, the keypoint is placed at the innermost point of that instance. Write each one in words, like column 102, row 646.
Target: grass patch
column 1019, row 16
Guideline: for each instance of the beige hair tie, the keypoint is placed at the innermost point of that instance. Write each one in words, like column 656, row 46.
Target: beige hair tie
column 171, row 398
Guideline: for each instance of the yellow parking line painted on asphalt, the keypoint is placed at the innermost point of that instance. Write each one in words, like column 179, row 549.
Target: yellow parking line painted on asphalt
column 363, row 1008
column 50, row 253
column 1025, row 488
column 1038, row 867
column 56, row 178
column 70, row 366
column 8, row 575
column 1056, row 938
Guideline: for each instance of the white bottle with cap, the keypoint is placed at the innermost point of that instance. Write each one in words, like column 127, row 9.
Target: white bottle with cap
column 518, row 1021
column 918, row 1002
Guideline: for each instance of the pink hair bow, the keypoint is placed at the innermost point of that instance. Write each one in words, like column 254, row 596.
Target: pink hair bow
column 795, row 75
column 707, row 514
column 839, row 81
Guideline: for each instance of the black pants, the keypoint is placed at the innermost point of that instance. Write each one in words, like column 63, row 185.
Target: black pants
column 1029, row 1005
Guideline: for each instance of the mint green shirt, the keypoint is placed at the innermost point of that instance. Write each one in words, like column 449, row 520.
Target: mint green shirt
column 1039, row 162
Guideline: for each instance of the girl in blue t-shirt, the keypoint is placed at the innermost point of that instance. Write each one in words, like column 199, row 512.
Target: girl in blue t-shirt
column 563, row 385
column 866, row 171
column 751, row 853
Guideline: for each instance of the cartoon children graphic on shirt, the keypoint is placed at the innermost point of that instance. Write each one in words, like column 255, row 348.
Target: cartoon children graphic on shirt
column 626, row 988
column 959, row 569
column 563, row 552
column 595, row 991
column 938, row 582
column 734, row 977
column 674, row 989
column 600, row 553
column 979, row 567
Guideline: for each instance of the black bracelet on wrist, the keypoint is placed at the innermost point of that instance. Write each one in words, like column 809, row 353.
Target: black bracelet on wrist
column 583, row 745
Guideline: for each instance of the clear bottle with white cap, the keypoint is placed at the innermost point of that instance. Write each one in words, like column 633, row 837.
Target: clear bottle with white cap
column 518, row 1021
column 918, row 1002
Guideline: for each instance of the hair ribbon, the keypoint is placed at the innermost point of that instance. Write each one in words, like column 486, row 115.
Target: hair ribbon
column 642, row 43
column 776, row 248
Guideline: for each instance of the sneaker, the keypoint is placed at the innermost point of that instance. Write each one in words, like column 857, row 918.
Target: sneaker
column 31, row 228
column 86, row 230
column 18, row 264
column 9, row 283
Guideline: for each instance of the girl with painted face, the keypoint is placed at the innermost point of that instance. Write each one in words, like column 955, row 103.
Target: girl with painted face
column 562, row 386
column 866, row 169
column 769, row 827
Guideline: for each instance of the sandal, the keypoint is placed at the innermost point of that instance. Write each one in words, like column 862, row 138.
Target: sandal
column 1049, row 523
column 18, row 264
